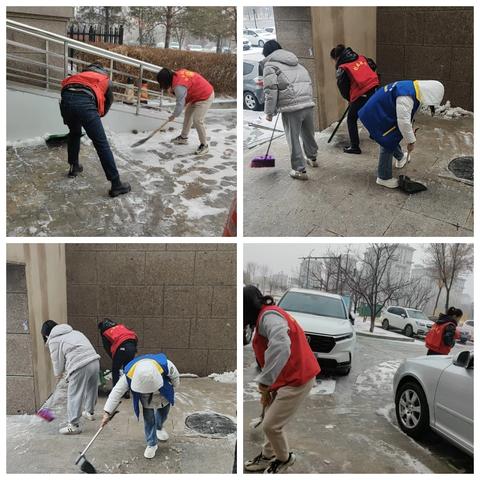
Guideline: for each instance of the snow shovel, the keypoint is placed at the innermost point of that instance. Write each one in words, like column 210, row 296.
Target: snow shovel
column 85, row 465
column 265, row 160
column 143, row 140
column 407, row 185
column 338, row 124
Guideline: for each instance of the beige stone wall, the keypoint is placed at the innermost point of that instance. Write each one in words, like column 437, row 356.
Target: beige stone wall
column 311, row 32
column 179, row 298
column 36, row 291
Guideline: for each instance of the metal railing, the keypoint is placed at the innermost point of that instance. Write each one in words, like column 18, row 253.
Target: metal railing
column 47, row 67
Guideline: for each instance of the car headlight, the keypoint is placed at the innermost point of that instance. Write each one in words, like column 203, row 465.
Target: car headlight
column 339, row 338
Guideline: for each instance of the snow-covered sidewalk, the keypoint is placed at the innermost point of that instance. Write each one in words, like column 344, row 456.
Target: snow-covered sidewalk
column 363, row 328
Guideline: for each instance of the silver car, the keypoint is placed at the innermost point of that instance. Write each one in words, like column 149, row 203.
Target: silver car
column 253, row 98
column 436, row 392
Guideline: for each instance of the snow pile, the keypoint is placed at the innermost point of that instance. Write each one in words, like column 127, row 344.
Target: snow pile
column 323, row 387
column 377, row 379
column 447, row 111
column 225, row 377
column 26, row 142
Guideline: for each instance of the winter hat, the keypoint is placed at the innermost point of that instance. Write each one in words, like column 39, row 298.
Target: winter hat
column 270, row 47
column 430, row 92
column 47, row 327
column 146, row 376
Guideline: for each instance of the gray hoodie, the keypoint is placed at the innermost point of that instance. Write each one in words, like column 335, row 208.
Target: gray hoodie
column 286, row 83
column 69, row 349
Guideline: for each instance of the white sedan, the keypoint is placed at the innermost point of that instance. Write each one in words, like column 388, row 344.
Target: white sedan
column 436, row 392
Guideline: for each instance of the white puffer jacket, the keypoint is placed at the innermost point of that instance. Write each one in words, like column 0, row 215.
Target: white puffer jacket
column 287, row 84
column 69, row 349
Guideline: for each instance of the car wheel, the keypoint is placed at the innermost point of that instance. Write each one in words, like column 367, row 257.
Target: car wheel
column 411, row 407
column 343, row 372
column 261, row 43
column 408, row 331
column 385, row 324
column 250, row 101
column 247, row 335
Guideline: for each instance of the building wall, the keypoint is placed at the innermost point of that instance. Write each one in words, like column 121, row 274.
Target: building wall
column 179, row 298
column 428, row 43
column 311, row 32
column 36, row 291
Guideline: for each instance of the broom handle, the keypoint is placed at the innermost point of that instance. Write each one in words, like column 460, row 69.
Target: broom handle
column 273, row 133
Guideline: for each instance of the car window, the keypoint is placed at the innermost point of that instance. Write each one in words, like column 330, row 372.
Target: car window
column 469, row 323
column 313, row 304
column 401, row 311
column 394, row 310
column 417, row 314
column 247, row 68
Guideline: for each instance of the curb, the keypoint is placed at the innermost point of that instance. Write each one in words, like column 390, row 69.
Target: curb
column 384, row 337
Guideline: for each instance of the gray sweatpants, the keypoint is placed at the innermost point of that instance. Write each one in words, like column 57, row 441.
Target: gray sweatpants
column 300, row 124
column 82, row 392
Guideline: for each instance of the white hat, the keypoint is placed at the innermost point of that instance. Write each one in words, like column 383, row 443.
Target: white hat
column 146, row 376
column 431, row 92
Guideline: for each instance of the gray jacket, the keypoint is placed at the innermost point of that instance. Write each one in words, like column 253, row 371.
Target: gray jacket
column 69, row 349
column 287, row 84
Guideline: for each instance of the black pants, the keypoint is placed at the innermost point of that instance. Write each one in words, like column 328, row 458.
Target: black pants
column 352, row 117
column 124, row 354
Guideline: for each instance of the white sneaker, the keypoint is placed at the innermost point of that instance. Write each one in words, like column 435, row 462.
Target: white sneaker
column 202, row 149
column 150, row 451
column 298, row 175
column 70, row 429
column 390, row 183
column 162, row 435
column 401, row 163
column 88, row 415
column 312, row 162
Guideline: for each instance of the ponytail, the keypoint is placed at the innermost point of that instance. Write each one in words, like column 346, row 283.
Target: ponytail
column 454, row 312
column 335, row 52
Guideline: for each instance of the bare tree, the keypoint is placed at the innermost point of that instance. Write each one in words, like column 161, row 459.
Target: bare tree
column 371, row 279
column 417, row 293
column 449, row 261
column 250, row 272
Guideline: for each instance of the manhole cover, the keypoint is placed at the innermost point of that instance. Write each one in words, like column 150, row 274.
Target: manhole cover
column 210, row 424
column 462, row 167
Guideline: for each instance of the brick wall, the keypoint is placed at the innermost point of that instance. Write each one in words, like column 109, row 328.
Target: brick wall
column 428, row 43
column 179, row 298
column 20, row 377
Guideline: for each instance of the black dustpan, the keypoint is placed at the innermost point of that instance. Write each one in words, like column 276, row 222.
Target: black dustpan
column 407, row 185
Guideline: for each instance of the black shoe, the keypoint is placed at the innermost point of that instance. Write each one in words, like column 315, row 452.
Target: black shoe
column 126, row 396
column 75, row 169
column 119, row 188
column 277, row 466
column 354, row 150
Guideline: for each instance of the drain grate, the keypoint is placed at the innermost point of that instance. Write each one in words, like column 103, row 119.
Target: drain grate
column 462, row 167
column 211, row 424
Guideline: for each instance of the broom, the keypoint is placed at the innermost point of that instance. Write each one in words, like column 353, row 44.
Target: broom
column 143, row 140
column 265, row 160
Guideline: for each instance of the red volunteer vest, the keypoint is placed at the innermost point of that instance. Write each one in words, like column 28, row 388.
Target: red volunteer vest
column 434, row 338
column 198, row 89
column 96, row 82
column 302, row 364
column 362, row 77
column 117, row 335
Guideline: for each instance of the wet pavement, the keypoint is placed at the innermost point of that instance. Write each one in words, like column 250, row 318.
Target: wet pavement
column 341, row 197
column 174, row 192
column 35, row 446
column 348, row 424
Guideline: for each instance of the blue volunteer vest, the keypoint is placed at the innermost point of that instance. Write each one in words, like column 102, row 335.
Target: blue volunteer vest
column 166, row 391
column 379, row 115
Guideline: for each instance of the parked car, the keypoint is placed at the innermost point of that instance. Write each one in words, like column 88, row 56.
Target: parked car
column 253, row 97
column 436, row 392
column 257, row 36
column 195, row 48
column 327, row 325
column 247, row 45
column 409, row 321
column 270, row 30
column 174, row 45
column 466, row 330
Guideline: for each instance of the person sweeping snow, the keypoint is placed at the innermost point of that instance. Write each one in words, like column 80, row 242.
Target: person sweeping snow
column 120, row 343
column 357, row 81
column 388, row 116
column 86, row 97
column 195, row 95
column 288, row 90
column 440, row 339
column 288, row 371
column 71, row 352
column 152, row 380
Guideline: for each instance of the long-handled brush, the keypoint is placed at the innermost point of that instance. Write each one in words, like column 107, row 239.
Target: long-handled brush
column 81, row 461
column 265, row 160
column 143, row 140
column 338, row 124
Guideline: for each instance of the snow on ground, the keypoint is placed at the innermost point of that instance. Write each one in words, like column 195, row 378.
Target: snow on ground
column 225, row 377
column 250, row 392
column 378, row 378
column 324, row 387
column 447, row 111
column 257, row 130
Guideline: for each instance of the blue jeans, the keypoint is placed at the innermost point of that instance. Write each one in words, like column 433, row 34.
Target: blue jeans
column 385, row 162
column 79, row 110
column 153, row 420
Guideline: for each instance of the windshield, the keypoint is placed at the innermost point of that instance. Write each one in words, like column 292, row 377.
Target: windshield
column 313, row 304
column 416, row 314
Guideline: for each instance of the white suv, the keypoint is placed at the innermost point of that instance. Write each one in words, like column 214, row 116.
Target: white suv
column 257, row 36
column 409, row 320
column 324, row 318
